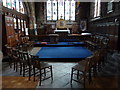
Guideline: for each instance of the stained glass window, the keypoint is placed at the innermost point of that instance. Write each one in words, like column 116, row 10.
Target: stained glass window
column 72, row 10
column 15, row 23
column 17, row 5
column 26, row 29
column 54, row 4
column 60, row 9
column 19, row 26
column 8, row 3
column 13, row 4
column 110, row 6
column 21, row 8
column 67, row 10
column 22, row 25
column 49, row 11
column 97, row 8
column 57, row 9
column 4, row 3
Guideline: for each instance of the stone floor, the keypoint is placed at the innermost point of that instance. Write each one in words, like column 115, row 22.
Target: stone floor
column 62, row 72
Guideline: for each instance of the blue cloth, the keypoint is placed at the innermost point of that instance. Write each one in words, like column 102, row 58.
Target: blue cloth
column 63, row 43
column 64, row 52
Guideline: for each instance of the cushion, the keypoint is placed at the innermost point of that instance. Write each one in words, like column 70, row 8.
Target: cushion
column 43, row 42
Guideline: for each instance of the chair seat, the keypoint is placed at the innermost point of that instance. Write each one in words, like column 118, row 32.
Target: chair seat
column 80, row 66
column 43, row 65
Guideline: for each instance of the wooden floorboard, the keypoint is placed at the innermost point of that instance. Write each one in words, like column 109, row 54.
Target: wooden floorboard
column 18, row 82
column 104, row 82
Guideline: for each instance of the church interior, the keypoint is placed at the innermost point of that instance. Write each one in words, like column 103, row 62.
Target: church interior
column 59, row 44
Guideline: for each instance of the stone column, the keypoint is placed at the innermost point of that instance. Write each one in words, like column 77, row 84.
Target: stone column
column 0, row 25
column 32, row 19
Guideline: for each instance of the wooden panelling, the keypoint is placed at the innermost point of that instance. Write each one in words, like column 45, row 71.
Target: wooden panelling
column 10, row 32
column 113, row 43
column 109, row 29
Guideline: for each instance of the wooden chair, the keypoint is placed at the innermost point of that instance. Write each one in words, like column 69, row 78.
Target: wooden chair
column 44, row 69
column 15, row 57
column 26, row 43
column 25, row 59
column 9, row 53
column 97, row 61
column 83, row 67
column 102, row 57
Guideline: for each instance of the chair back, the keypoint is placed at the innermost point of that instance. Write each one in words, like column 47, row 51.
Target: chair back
column 15, row 54
column 20, row 55
column 96, row 58
column 92, row 60
column 24, row 57
column 35, row 61
column 9, row 50
column 88, row 63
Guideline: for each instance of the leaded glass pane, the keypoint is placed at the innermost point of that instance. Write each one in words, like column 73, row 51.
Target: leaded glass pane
column 54, row 5
column 67, row 10
column 17, row 5
column 60, row 9
column 49, row 12
column 4, row 3
column 72, row 10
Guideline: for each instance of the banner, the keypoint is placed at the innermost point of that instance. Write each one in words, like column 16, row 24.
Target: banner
column 77, row 8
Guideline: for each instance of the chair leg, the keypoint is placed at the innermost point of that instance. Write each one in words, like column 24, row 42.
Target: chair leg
column 90, row 79
column 51, row 73
column 29, row 72
column 16, row 66
column 99, row 66
column 71, row 75
column 77, row 74
column 23, row 70
column 10, row 63
column 20, row 68
column 40, row 77
column 84, row 81
column 44, row 72
column 34, row 72
column 94, row 70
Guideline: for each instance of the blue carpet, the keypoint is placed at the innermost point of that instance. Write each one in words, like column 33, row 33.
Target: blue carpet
column 64, row 52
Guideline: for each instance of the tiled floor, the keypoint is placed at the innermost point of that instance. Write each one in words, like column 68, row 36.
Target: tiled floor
column 62, row 74
column 61, row 78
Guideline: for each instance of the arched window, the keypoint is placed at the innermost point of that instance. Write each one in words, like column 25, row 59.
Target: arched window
column 64, row 8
